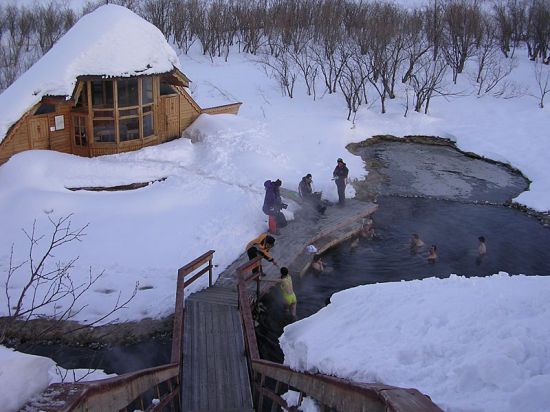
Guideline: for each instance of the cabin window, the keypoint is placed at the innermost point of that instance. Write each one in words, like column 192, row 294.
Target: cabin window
column 102, row 94
column 80, row 136
column 82, row 98
column 147, row 121
column 45, row 108
column 125, row 117
column 128, row 93
column 147, row 90
column 104, row 131
column 166, row 89
column 128, row 128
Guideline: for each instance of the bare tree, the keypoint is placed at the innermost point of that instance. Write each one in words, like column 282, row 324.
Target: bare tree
column 416, row 43
column 352, row 81
column 510, row 18
column 281, row 67
column 491, row 67
column 538, row 30
column 427, row 81
column 181, row 23
column 48, row 288
column 52, row 21
column 542, row 77
column 158, row 12
column 462, row 32
column 305, row 62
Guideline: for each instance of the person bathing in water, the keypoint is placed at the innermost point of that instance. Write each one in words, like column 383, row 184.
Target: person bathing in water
column 318, row 265
column 482, row 248
column 416, row 243
column 432, row 254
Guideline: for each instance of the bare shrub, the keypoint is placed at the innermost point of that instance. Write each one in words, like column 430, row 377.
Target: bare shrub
column 49, row 290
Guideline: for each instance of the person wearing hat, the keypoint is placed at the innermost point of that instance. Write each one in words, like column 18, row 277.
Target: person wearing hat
column 261, row 247
column 340, row 176
column 273, row 204
column 308, row 195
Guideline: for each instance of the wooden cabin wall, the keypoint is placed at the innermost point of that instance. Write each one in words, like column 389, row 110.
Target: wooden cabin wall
column 34, row 132
column 16, row 141
column 188, row 112
column 60, row 140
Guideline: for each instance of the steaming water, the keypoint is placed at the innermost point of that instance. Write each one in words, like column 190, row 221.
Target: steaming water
column 516, row 244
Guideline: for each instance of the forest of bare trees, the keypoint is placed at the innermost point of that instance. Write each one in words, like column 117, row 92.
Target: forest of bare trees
column 361, row 49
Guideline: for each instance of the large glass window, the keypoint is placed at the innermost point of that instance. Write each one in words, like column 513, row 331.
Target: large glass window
column 102, row 93
column 104, row 131
column 127, row 92
column 147, row 90
column 147, row 122
column 128, row 128
column 133, row 118
column 80, row 136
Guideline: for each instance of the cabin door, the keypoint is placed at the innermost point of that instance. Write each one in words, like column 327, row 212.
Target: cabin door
column 38, row 130
column 171, row 116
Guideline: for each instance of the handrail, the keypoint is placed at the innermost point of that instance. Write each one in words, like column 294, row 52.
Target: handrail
column 120, row 392
column 177, row 331
column 108, row 394
column 329, row 391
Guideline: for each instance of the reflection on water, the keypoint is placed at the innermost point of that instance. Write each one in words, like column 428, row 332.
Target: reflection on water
column 516, row 244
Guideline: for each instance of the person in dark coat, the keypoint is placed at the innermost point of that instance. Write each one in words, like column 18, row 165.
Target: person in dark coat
column 308, row 195
column 340, row 176
column 273, row 204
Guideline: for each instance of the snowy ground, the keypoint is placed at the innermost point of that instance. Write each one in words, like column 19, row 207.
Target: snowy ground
column 212, row 196
column 18, row 368
column 471, row 344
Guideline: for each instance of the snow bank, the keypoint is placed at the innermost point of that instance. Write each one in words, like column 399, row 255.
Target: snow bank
column 471, row 344
column 23, row 376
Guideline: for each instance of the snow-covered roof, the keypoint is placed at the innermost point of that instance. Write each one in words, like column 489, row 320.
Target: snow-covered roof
column 111, row 41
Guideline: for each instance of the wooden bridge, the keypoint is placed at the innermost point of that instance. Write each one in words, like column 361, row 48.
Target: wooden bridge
column 215, row 363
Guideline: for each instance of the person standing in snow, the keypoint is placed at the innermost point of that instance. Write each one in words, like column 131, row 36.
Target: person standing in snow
column 261, row 246
column 273, row 204
column 340, row 175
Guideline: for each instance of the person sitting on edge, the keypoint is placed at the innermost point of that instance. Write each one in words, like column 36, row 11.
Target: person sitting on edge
column 261, row 247
column 317, row 265
column 432, row 254
column 482, row 249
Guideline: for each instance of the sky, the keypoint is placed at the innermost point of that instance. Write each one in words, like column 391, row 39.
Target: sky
column 212, row 195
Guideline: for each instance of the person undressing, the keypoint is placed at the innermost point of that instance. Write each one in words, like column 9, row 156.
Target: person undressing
column 340, row 175
column 261, row 247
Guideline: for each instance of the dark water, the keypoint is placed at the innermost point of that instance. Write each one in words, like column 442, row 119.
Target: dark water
column 114, row 359
column 516, row 244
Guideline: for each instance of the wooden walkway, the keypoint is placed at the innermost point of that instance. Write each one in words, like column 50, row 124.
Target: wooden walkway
column 215, row 374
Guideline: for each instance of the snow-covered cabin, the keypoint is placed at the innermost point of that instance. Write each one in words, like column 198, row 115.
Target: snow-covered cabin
column 111, row 84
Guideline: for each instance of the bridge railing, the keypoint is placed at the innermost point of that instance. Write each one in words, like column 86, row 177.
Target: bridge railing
column 154, row 389
column 270, row 380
